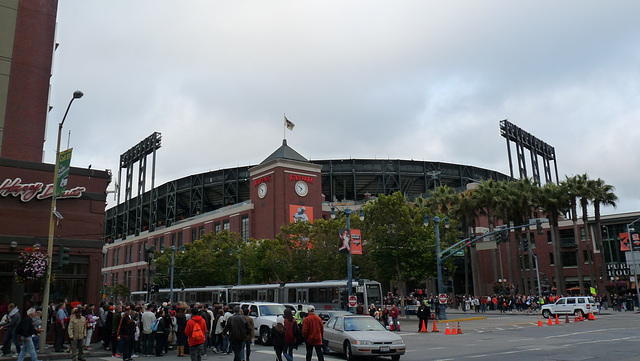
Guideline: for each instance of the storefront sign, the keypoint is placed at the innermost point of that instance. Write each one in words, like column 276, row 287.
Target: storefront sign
column 261, row 180
column 37, row 190
column 304, row 178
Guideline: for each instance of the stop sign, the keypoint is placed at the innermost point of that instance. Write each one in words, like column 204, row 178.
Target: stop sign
column 353, row 301
column 443, row 298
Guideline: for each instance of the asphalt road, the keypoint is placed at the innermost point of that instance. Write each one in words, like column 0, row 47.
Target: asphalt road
column 497, row 337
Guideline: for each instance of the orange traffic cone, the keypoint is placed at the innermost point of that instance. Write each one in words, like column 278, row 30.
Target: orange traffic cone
column 539, row 321
column 566, row 320
column 448, row 331
column 460, row 330
column 435, row 327
column 453, row 328
column 577, row 319
column 557, row 322
column 592, row 317
column 550, row 323
column 423, row 328
column 581, row 318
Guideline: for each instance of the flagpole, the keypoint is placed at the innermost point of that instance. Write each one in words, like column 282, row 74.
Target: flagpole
column 284, row 128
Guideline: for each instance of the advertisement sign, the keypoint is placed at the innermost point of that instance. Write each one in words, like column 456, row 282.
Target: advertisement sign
column 299, row 213
column 345, row 244
column 356, row 242
column 64, row 161
column 626, row 245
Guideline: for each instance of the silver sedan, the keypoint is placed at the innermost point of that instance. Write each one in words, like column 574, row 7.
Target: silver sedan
column 360, row 335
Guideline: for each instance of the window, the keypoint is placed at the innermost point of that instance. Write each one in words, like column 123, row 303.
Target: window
column 583, row 234
column 571, row 301
column 194, row 234
column 105, row 260
column 130, row 253
column 180, row 239
column 226, row 226
column 551, row 259
column 532, row 240
column 548, row 237
column 173, row 239
column 200, row 232
column 217, row 228
column 245, row 228
column 117, row 257
column 140, row 251
column 569, row 259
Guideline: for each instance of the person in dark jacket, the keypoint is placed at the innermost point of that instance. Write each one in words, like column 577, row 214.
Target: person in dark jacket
column 161, row 332
column 277, row 337
column 237, row 327
column 423, row 317
column 126, row 331
column 181, row 321
column 26, row 330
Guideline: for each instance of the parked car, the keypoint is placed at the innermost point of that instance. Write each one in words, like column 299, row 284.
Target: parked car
column 264, row 318
column 575, row 305
column 361, row 335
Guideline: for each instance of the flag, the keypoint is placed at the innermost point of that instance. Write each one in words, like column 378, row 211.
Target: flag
column 289, row 124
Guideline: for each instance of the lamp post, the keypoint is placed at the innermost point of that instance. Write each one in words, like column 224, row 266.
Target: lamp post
column 633, row 257
column 173, row 253
column 52, row 219
column 437, row 221
column 348, row 213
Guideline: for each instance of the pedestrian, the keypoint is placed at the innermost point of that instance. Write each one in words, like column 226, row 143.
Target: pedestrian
column 238, row 328
column 217, row 331
column 278, row 337
column 313, row 332
column 126, row 333
column 423, row 317
column 394, row 313
column 115, row 324
column 195, row 330
column 161, row 330
column 292, row 334
column 246, row 345
column 9, row 324
column 77, row 333
column 147, row 334
column 181, row 321
column 92, row 321
column 26, row 330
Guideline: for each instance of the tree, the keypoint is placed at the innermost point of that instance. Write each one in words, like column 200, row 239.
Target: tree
column 487, row 197
column 573, row 185
column 602, row 194
column 121, row 291
column 553, row 201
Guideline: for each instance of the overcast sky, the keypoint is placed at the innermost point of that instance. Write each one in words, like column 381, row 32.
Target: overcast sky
column 422, row 80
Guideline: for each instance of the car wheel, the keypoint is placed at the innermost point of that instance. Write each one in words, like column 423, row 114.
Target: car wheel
column 347, row 351
column 578, row 313
column 546, row 313
column 395, row 357
column 265, row 336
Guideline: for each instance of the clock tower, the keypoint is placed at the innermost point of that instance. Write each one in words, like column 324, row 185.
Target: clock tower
column 285, row 188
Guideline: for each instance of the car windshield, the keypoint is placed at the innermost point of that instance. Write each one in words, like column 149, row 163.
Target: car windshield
column 271, row 310
column 362, row 324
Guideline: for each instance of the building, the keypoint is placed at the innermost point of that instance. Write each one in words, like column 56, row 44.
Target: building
column 27, row 45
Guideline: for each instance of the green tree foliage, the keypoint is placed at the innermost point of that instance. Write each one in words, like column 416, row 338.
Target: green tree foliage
column 121, row 291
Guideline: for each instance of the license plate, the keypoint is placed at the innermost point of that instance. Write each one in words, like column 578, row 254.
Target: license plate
column 384, row 348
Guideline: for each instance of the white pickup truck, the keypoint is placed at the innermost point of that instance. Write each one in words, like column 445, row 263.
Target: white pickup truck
column 264, row 317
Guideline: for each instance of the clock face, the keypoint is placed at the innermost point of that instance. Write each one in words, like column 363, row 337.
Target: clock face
column 262, row 190
column 302, row 188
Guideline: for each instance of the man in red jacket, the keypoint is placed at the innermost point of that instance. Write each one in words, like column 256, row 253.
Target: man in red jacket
column 195, row 330
column 313, row 332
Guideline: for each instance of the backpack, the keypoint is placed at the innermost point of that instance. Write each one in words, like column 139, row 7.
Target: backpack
column 155, row 325
column 197, row 335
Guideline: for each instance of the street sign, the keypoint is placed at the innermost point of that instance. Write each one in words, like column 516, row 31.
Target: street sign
column 353, row 301
column 443, row 298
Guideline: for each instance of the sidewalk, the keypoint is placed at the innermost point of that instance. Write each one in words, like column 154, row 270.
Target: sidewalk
column 50, row 354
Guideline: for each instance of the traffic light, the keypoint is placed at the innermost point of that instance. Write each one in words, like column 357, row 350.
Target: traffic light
column 63, row 257
column 344, row 297
column 148, row 254
column 356, row 272
column 525, row 243
column 539, row 226
column 155, row 288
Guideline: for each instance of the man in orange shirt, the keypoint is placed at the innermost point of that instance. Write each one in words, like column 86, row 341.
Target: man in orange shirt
column 313, row 332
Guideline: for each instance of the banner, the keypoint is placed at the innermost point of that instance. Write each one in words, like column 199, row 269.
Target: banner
column 300, row 214
column 64, row 164
column 345, row 244
column 356, row 242
column 625, row 245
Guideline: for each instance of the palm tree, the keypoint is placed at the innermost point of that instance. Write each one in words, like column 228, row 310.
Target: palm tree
column 523, row 192
column 572, row 186
column 465, row 209
column 553, row 201
column 487, row 197
column 585, row 197
column 602, row 195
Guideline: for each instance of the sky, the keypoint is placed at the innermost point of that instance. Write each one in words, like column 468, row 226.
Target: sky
column 422, row 80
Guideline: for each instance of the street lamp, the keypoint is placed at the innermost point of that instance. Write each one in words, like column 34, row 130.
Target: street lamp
column 173, row 253
column 633, row 257
column 348, row 212
column 52, row 219
column 437, row 221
